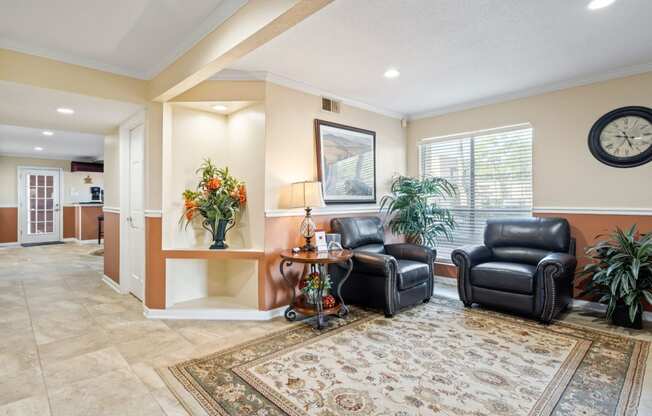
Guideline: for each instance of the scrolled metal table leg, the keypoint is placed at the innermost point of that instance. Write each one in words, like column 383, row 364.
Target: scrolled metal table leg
column 344, row 310
column 320, row 294
column 290, row 314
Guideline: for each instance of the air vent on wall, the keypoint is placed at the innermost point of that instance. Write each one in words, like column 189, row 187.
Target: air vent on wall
column 330, row 105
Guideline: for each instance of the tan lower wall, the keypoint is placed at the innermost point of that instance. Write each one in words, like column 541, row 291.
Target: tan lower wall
column 154, row 264
column 89, row 223
column 112, row 246
column 585, row 228
column 283, row 233
column 69, row 222
column 8, row 225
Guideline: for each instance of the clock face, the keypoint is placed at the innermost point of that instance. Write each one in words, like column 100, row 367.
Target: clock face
column 626, row 137
column 622, row 138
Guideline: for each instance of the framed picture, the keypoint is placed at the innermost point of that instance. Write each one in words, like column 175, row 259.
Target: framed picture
column 346, row 163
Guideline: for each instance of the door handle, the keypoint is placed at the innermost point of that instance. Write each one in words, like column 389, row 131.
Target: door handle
column 130, row 220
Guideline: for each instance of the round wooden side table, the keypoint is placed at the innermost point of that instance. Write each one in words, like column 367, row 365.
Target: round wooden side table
column 318, row 261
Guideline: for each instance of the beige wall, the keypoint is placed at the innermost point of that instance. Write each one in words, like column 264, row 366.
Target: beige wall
column 290, row 153
column 8, row 175
column 565, row 173
column 112, row 171
column 74, row 188
column 236, row 141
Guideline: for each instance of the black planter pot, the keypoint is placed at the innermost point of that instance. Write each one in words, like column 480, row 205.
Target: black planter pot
column 621, row 317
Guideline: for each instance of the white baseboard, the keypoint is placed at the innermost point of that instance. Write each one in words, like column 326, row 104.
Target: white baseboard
column 214, row 314
column 74, row 240
column 111, row 283
column 8, row 245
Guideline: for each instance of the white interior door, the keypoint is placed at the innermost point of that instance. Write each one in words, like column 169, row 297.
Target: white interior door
column 136, row 215
column 39, row 196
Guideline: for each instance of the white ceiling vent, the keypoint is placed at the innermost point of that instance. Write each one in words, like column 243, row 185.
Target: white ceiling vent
column 329, row 105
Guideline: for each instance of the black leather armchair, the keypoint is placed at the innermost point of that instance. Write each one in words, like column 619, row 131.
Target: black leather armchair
column 384, row 276
column 526, row 265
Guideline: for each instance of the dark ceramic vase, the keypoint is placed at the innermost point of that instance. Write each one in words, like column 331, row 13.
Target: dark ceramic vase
column 219, row 234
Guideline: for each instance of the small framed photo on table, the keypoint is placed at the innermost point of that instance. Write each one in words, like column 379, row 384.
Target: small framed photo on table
column 320, row 241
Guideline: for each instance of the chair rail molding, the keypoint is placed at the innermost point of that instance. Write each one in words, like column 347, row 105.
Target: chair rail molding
column 592, row 210
column 2, row 205
column 153, row 213
column 338, row 210
column 114, row 210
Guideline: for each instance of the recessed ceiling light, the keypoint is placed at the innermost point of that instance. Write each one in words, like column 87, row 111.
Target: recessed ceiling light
column 220, row 107
column 600, row 4
column 38, row 149
column 63, row 110
column 47, row 133
column 392, row 73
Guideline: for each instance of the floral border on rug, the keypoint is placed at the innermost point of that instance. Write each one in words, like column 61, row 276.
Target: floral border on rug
column 605, row 377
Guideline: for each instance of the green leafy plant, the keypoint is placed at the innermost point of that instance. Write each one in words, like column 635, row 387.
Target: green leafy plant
column 620, row 271
column 412, row 210
column 218, row 196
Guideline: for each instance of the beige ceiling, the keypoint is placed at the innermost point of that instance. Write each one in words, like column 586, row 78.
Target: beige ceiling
column 28, row 106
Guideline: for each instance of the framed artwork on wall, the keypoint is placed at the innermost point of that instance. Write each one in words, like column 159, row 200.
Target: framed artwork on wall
column 346, row 163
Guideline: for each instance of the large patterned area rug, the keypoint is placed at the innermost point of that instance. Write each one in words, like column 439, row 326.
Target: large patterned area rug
column 434, row 359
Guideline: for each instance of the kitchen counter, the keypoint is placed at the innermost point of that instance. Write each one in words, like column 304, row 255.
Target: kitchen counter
column 80, row 220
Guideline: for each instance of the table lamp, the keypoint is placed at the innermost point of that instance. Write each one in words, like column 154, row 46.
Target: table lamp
column 307, row 195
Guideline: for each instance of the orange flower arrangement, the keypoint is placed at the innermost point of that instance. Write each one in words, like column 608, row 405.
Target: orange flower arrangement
column 218, row 198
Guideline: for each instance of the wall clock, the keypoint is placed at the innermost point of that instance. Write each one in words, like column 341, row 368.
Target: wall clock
column 623, row 137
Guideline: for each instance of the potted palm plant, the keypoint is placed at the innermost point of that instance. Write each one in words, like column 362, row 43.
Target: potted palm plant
column 218, row 199
column 620, row 275
column 411, row 209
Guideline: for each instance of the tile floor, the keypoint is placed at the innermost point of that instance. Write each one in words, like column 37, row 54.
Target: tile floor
column 70, row 345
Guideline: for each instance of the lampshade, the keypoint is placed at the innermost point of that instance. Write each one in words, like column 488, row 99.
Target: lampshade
column 306, row 194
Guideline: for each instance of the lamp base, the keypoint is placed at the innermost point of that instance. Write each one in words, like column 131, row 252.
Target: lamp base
column 307, row 230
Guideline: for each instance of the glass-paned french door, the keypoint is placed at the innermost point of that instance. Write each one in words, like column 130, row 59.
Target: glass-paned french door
column 40, row 205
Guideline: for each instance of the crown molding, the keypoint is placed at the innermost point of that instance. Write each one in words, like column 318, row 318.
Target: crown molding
column 310, row 89
column 530, row 92
column 224, row 10
column 239, row 75
column 71, row 59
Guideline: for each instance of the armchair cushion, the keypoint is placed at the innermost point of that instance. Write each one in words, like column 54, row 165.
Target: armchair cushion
column 505, row 276
column 411, row 273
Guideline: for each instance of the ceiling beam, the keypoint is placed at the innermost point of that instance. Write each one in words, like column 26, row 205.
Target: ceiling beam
column 41, row 72
column 254, row 24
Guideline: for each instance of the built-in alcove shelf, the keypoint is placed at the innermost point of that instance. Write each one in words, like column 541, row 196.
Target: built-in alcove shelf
column 205, row 253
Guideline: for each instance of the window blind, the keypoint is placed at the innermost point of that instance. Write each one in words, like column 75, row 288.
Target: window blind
column 492, row 171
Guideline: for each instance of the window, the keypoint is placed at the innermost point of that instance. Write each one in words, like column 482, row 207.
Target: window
column 492, row 171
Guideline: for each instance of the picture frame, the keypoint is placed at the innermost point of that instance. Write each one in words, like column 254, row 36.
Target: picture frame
column 346, row 163
column 320, row 241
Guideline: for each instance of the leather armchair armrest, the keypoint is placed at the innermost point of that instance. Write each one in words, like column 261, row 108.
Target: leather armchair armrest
column 372, row 263
column 469, row 256
column 558, row 264
column 414, row 252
